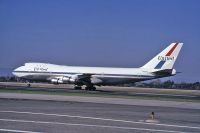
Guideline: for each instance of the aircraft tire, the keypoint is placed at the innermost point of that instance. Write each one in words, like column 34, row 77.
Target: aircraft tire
column 77, row 87
column 87, row 88
column 93, row 88
column 90, row 88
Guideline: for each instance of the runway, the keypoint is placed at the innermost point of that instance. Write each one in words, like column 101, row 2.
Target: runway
column 45, row 108
column 36, row 116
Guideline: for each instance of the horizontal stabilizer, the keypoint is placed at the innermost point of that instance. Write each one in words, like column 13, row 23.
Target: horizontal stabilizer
column 165, row 72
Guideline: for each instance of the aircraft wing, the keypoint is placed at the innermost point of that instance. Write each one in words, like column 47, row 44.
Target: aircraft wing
column 83, row 76
column 87, row 79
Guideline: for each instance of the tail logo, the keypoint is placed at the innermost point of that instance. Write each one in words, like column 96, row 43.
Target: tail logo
column 165, row 58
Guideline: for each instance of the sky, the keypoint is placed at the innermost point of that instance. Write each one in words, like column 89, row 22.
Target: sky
column 109, row 33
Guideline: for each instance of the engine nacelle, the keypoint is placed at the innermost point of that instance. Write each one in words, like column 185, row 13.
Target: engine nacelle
column 54, row 81
column 64, row 80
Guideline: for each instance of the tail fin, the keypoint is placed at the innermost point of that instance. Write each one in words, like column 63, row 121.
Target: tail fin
column 165, row 59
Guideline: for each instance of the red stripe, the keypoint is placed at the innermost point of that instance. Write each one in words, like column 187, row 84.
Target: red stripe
column 172, row 50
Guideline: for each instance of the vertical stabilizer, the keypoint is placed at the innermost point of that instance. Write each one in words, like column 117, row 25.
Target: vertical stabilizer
column 165, row 59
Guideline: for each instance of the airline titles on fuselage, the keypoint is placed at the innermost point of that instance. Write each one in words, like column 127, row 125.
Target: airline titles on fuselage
column 40, row 69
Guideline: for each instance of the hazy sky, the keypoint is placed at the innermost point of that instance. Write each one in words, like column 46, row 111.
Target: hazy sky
column 117, row 33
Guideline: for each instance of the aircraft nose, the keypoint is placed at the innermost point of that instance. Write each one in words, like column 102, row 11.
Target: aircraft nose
column 15, row 71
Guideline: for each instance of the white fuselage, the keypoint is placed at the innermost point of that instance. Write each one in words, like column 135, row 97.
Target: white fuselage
column 100, row 75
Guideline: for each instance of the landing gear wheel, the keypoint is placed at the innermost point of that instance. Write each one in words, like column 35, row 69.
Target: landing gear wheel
column 77, row 87
column 28, row 85
column 93, row 88
column 87, row 88
column 90, row 88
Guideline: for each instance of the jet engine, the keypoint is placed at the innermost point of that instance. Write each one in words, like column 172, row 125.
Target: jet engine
column 64, row 80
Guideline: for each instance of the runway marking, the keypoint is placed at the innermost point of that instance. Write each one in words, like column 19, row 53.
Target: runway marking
column 88, row 125
column 103, row 119
column 17, row 131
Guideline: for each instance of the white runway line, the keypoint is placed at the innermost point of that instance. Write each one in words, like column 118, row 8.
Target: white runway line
column 103, row 119
column 87, row 125
column 17, row 131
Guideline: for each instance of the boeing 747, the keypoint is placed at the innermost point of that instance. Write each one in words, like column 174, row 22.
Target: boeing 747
column 160, row 66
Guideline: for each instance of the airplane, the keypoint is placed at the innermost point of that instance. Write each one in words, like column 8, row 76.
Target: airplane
column 160, row 66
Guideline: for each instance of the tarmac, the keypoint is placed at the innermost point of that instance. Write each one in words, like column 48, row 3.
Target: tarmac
column 45, row 113
column 36, row 116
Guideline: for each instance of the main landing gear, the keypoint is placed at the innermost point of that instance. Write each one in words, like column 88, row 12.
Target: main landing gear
column 77, row 87
column 90, row 88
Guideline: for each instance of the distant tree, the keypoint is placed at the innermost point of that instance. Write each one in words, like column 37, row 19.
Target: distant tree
column 168, row 84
